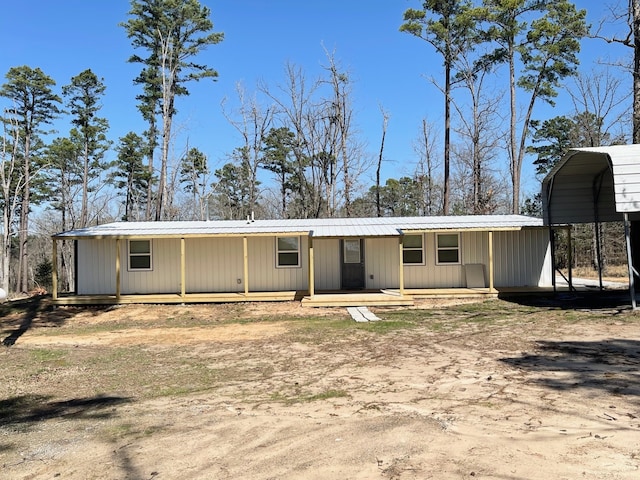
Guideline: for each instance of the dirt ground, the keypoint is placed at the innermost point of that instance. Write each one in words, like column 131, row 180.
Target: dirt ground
column 529, row 389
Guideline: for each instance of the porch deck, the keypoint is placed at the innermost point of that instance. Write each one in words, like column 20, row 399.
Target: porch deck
column 388, row 297
column 172, row 298
column 337, row 298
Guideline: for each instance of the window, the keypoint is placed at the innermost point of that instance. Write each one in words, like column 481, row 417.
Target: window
column 288, row 252
column 140, row 255
column 448, row 248
column 412, row 251
column 352, row 251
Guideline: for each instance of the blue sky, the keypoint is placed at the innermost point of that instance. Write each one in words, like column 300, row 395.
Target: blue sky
column 388, row 68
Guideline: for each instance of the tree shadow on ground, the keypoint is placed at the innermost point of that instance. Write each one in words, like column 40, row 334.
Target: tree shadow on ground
column 25, row 410
column 615, row 302
column 611, row 365
column 20, row 316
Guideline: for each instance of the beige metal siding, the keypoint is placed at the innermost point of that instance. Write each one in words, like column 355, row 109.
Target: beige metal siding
column 263, row 274
column 627, row 178
column 431, row 275
column 165, row 276
column 327, row 264
column 522, row 258
column 382, row 263
column 214, row 265
column 97, row 267
column 475, row 247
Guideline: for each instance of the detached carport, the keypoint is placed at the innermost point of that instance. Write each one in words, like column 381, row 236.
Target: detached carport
column 593, row 185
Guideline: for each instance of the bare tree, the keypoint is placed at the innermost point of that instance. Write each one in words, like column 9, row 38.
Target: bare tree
column 478, row 123
column 252, row 121
column 297, row 110
column 340, row 115
column 430, row 190
column 601, row 97
column 629, row 16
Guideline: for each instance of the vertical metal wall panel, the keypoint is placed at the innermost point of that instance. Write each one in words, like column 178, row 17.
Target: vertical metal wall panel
column 382, row 262
column 214, row 265
column 327, row 263
column 522, row 258
column 264, row 276
column 165, row 275
column 96, row 267
column 475, row 248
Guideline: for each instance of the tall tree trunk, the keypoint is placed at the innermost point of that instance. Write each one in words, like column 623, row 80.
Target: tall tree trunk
column 635, row 5
column 513, row 153
column 23, row 236
column 447, row 138
column 84, row 215
column 385, row 120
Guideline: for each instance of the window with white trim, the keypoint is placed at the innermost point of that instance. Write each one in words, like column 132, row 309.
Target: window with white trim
column 447, row 248
column 140, row 255
column 287, row 252
column 413, row 250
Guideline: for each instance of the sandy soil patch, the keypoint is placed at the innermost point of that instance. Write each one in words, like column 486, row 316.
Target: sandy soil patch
column 494, row 391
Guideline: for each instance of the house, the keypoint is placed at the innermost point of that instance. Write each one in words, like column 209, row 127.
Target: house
column 389, row 259
column 594, row 185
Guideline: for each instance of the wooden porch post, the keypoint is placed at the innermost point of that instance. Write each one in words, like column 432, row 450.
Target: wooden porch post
column 117, row 269
column 491, row 261
column 183, row 281
column 54, row 273
column 401, row 271
column 245, row 251
column 311, row 268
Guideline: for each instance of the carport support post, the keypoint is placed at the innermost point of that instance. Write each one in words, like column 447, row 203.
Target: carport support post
column 54, row 270
column 570, row 258
column 552, row 242
column 632, row 290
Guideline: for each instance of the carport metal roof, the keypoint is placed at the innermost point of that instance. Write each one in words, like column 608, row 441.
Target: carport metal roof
column 595, row 184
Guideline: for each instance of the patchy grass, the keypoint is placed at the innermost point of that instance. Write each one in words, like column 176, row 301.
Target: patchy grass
column 145, row 370
column 280, row 397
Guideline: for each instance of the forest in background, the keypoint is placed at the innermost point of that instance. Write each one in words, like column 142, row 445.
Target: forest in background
column 300, row 153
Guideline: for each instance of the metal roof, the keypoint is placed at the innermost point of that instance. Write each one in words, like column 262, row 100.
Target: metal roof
column 319, row 228
column 595, row 183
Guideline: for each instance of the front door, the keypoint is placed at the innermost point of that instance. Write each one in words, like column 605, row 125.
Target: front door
column 352, row 263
